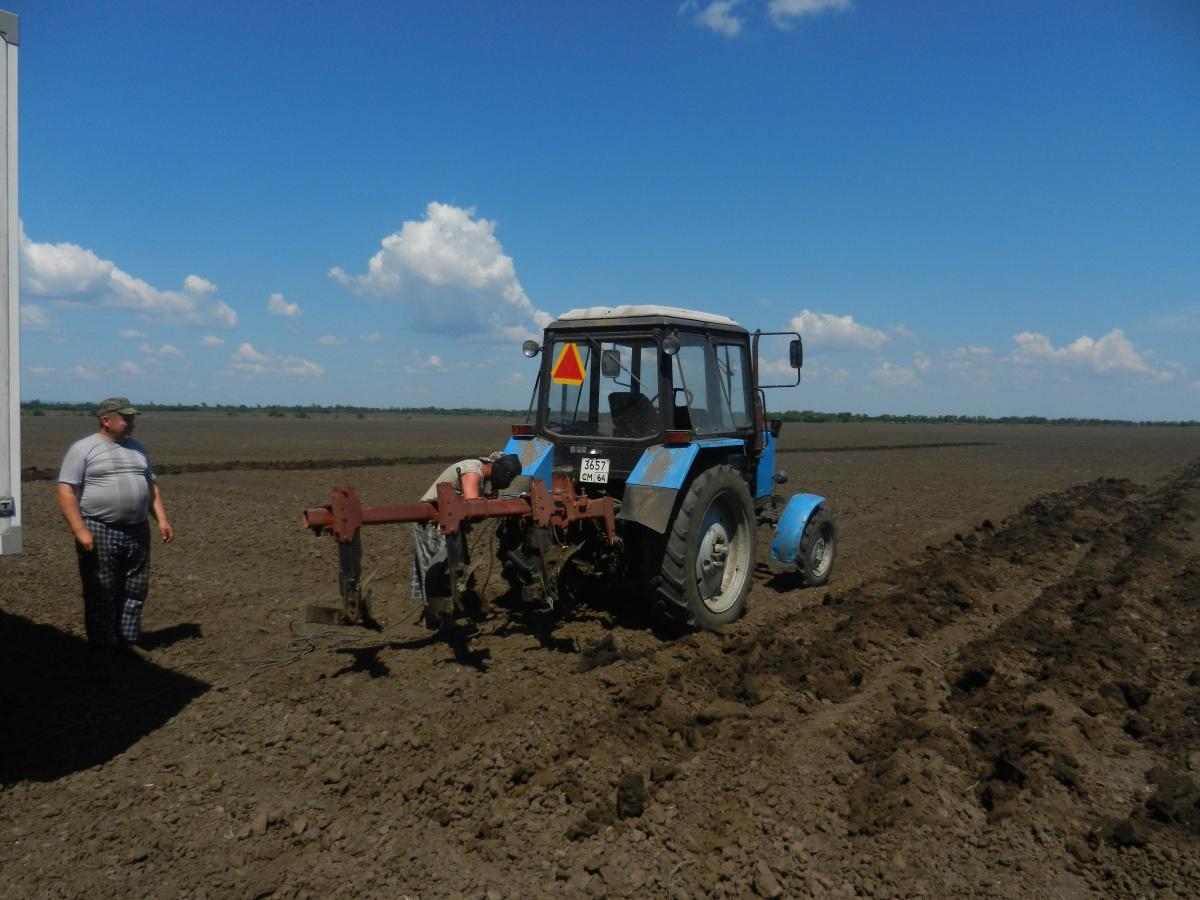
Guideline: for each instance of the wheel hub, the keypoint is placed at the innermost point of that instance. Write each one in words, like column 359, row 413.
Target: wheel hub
column 714, row 551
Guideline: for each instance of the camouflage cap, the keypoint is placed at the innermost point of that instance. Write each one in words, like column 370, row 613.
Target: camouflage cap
column 116, row 405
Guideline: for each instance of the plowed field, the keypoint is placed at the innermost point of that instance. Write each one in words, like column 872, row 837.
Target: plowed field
column 997, row 696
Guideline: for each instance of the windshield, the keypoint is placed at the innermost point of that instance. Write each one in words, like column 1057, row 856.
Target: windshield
column 618, row 398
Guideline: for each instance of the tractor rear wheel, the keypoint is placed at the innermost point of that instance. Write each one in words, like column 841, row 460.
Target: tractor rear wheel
column 708, row 559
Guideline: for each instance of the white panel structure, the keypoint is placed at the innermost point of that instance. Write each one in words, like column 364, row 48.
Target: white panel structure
column 10, row 315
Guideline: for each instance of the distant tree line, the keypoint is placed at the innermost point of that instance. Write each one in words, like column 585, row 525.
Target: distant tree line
column 39, row 407
column 808, row 415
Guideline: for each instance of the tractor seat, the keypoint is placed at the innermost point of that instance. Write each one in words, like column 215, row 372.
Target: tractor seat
column 683, row 418
column 633, row 415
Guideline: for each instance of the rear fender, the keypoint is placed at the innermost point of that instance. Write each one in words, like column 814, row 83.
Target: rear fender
column 536, row 455
column 661, row 471
column 790, row 530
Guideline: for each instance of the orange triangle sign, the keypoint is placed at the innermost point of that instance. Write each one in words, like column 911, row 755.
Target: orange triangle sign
column 568, row 368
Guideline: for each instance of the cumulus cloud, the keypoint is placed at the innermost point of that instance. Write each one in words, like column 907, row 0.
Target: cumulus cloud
column 374, row 337
column 164, row 350
column 452, row 275
column 210, row 340
column 129, row 368
column 1111, row 354
column 717, row 16
column 332, row 340
column 34, row 318
column 131, row 334
column 972, row 362
column 922, row 362
column 277, row 306
column 248, row 361
column 420, row 365
column 1195, row 386
column 40, row 370
column 894, row 376
column 71, row 275
column 786, row 13
column 827, row 330
column 198, row 286
column 86, row 372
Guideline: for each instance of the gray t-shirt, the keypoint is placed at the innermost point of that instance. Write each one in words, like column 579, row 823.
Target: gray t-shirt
column 450, row 474
column 111, row 480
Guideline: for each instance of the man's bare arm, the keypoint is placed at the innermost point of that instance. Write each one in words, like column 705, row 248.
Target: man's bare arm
column 68, row 503
column 159, row 510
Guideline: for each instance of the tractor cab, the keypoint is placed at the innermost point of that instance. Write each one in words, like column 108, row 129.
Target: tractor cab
column 615, row 381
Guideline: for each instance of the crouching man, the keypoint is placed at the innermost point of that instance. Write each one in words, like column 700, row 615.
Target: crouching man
column 472, row 478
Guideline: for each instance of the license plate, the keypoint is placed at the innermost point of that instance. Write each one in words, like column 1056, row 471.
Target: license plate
column 593, row 469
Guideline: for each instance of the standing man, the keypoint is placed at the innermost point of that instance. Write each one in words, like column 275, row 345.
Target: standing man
column 106, row 490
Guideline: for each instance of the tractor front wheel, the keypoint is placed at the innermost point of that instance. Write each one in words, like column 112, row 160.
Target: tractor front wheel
column 818, row 547
column 708, row 558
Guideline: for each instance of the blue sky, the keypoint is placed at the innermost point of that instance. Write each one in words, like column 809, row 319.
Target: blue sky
column 972, row 208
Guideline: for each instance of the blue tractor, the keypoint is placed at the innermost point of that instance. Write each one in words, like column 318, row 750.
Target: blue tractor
column 663, row 410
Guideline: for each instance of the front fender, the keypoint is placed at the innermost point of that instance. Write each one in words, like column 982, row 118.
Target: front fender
column 790, row 530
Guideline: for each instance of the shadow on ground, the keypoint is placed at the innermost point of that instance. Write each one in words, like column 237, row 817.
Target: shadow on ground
column 62, row 715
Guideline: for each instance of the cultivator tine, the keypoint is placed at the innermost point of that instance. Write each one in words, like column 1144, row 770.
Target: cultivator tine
column 354, row 599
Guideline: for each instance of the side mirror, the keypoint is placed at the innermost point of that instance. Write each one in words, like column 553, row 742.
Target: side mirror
column 775, row 427
column 796, row 354
column 531, row 348
column 610, row 364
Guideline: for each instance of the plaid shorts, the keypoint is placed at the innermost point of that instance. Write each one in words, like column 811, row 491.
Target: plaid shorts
column 116, row 578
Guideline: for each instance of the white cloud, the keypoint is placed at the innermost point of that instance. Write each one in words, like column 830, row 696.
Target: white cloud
column 972, row 362
column 49, row 370
column 129, row 368
column 785, row 13
column 828, row 330
column 776, row 370
column 452, row 276
column 1195, row 386
column 922, row 362
column 515, row 378
column 34, row 318
column 164, row 350
column 331, row 340
column 1111, row 354
column 419, row 365
column 131, row 334
column 717, row 16
column 73, row 276
column 210, row 340
column 248, row 361
column 373, row 338
column 277, row 306
column 198, row 287
column 894, row 376
column 86, row 372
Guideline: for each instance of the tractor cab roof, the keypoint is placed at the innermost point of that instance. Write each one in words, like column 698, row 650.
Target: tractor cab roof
column 643, row 316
